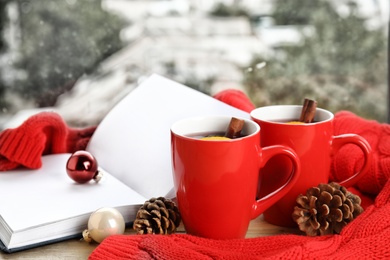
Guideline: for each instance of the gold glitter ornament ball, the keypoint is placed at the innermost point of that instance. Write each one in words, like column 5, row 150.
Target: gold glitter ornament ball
column 102, row 223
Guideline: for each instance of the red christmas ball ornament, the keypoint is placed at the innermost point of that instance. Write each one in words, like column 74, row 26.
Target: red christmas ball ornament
column 82, row 167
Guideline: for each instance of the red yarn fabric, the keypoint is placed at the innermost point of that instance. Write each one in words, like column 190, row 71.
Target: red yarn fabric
column 43, row 133
column 366, row 237
column 235, row 98
column 350, row 159
column 47, row 133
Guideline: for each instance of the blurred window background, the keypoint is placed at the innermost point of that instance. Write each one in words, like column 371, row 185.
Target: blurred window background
column 80, row 57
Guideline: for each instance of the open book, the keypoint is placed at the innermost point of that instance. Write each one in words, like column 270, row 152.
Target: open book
column 131, row 145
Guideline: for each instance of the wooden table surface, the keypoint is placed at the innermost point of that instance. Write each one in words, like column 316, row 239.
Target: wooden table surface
column 78, row 249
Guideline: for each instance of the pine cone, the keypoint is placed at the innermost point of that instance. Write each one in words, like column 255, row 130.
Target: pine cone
column 157, row 216
column 326, row 209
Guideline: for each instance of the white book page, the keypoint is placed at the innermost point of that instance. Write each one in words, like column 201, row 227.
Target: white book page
column 133, row 140
column 31, row 198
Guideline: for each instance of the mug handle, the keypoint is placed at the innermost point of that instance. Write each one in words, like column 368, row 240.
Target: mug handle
column 260, row 205
column 340, row 140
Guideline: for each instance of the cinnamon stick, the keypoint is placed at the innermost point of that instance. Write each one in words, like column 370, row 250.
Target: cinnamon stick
column 308, row 111
column 304, row 107
column 234, row 128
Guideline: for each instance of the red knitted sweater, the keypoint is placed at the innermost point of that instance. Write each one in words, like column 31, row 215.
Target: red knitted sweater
column 43, row 133
column 365, row 237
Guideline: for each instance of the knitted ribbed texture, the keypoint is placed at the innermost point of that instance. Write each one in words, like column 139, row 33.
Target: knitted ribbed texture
column 47, row 133
column 43, row 133
column 366, row 237
column 349, row 159
column 235, row 98
column 77, row 139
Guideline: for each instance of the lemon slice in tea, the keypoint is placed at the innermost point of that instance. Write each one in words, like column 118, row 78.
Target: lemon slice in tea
column 295, row 123
column 215, row 138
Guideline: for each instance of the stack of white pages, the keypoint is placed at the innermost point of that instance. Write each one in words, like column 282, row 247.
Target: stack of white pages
column 131, row 145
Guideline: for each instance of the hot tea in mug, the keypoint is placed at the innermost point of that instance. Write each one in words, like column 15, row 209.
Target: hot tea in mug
column 216, row 179
column 314, row 143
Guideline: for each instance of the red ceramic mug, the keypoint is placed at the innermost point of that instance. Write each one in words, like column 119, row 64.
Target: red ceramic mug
column 314, row 143
column 216, row 180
